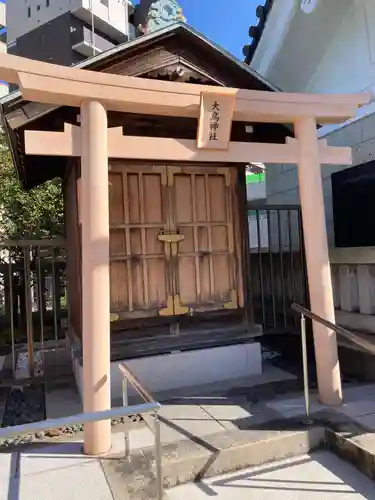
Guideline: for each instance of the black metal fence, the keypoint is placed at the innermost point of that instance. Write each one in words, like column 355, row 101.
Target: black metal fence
column 277, row 265
column 33, row 307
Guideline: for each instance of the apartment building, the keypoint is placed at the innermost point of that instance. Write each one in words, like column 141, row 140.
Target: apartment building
column 67, row 31
column 3, row 45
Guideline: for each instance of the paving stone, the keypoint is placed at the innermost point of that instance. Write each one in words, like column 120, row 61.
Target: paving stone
column 368, row 421
column 49, row 458
column 357, row 408
column 242, row 417
column 227, row 413
column 357, row 393
column 295, row 406
column 130, row 479
column 65, row 482
column 8, row 465
column 138, row 438
column 320, row 475
column 180, row 422
column 337, row 422
column 184, row 412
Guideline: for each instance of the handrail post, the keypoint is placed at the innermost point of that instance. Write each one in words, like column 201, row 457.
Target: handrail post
column 129, row 378
column 158, row 455
column 305, row 366
column 124, row 392
column 124, row 404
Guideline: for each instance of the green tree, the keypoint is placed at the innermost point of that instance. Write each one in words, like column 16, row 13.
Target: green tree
column 25, row 215
column 36, row 213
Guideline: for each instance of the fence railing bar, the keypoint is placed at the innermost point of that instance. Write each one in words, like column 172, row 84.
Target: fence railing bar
column 280, row 243
column 11, row 311
column 34, row 273
column 79, row 418
column 260, row 269
column 291, row 259
column 33, row 243
column 28, row 310
column 40, row 296
column 254, row 206
column 54, row 297
column 269, row 234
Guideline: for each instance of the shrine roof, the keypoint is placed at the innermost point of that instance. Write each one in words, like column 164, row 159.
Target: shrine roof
column 156, row 55
column 256, row 31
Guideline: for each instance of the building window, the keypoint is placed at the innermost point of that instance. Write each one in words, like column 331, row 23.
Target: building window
column 28, row 11
column 47, row 3
column 38, row 7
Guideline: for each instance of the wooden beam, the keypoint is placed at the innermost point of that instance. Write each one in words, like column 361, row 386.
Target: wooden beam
column 68, row 143
column 55, row 90
column 12, row 66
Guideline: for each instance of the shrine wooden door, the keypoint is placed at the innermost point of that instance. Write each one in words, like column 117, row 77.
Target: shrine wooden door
column 172, row 240
column 201, row 210
column 138, row 267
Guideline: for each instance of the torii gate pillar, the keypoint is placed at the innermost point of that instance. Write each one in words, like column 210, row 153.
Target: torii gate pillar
column 317, row 259
column 95, row 275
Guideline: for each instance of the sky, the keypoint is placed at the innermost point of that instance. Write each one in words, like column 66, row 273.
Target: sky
column 224, row 22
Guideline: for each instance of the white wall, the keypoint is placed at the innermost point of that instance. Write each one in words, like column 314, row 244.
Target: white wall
column 2, row 15
column 43, row 11
column 113, row 13
column 347, row 64
column 3, row 48
column 293, row 43
column 349, row 61
column 282, row 181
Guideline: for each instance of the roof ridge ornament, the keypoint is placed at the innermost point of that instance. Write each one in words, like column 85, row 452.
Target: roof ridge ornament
column 162, row 13
column 308, row 6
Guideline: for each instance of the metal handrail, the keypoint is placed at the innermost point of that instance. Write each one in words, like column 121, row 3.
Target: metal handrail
column 128, row 376
column 79, row 418
column 149, row 407
column 351, row 336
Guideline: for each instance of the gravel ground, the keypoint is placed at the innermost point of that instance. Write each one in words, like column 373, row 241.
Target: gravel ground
column 26, row 405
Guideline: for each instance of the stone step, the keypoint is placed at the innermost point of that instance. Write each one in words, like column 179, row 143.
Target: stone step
column 191, row 460
column 354, row 444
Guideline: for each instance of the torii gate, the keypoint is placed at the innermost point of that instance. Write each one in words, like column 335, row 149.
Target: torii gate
column 95, row 93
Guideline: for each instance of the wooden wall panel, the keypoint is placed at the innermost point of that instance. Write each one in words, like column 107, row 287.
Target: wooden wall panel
column 73, row 242
column 138, row 268
column 202, row 210
column 136, row 65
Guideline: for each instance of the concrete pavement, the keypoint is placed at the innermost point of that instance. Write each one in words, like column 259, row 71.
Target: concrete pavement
column 318, row 476
column 55, row 472
column 59, row 471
